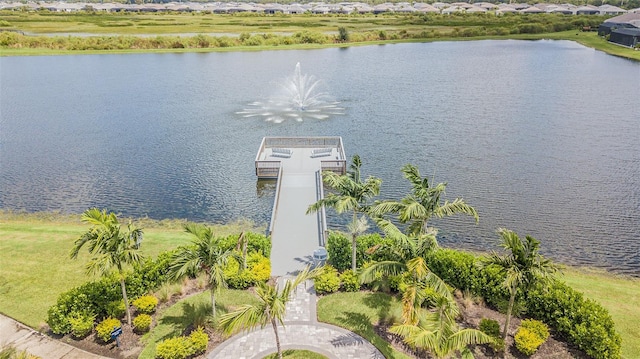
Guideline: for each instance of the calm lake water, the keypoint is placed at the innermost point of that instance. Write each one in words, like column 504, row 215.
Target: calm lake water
column 540, row 137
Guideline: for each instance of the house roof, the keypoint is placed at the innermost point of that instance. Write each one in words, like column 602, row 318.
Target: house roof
column 628, row 18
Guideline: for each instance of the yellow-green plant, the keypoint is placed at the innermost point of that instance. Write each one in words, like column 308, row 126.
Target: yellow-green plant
column 146, row 304
column 105, row 327
column 142, row 323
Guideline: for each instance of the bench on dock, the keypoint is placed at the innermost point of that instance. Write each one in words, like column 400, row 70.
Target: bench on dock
column 281, row 152
column 321, row 152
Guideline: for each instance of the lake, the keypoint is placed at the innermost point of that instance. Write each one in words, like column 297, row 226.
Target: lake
column 541, row 137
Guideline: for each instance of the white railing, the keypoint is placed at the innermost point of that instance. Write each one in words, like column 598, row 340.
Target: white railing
column 276, row 201
column 322, row 218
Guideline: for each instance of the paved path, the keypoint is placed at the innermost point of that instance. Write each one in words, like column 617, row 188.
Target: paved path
column 301, row 331
column 21, row 337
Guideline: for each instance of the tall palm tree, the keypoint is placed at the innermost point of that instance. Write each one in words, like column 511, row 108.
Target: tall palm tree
column 422, row 203
column 352, row 195
column 410, row 251
column 271, row 308
column 439, row 333
column 111, row 247
column 522, row 265
column 203, row 255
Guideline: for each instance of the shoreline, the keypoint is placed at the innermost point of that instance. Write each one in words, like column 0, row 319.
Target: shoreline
column 587, row 39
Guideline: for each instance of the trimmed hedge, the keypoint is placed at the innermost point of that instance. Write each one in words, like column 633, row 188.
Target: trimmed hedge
column 581, row 321
column 327, row 281
column 146, row 304
column 142, row 323
column 183, row 347
column 258, row 270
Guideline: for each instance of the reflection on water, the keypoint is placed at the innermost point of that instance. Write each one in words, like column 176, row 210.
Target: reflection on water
column 522, row 130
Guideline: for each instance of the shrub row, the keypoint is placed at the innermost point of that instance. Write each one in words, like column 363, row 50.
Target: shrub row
column 580, row 321
column 330, row 281
column 183, row 347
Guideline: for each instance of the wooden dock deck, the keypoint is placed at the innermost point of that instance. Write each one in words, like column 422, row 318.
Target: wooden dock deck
column 297, row 163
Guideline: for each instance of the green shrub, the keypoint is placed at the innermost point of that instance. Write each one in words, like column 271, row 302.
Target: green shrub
column 57, row 320
column 583, row 322
column 198, row 340
column 81, row 323
column 116, row 309
column 527, row 342
column 258, row 270
column 490, row 327
column 142, row 323
column 328, row 281
column 350, row 282
column 537, row 327
column 173, row 348
column 146, row 304
column 183, row 347
column 104, row 328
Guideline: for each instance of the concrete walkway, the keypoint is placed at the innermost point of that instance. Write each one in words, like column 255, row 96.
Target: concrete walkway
column 21, row 337
column 301, row 331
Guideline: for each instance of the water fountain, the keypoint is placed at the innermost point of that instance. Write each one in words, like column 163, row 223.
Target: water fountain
column 299, row 97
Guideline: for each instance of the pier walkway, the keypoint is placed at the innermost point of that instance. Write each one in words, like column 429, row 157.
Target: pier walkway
column 296, row 162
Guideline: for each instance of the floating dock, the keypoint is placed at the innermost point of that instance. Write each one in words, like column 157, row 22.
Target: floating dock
column 297, row 164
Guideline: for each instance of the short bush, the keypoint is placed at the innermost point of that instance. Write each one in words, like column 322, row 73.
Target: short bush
column 173, row 348
column 198, row 340
column 527, row 342
column 537, row 327
column 350, row 282
column 104, row 328
column 116, row 309
column 142, row 323
column 146, row 304
column 328, row 281
column 81, row 323
column 490, row 327
column 183, row 347
column 57, row 320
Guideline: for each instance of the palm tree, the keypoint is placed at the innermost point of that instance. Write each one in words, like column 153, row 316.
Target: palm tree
column 112, row 248
column 422, row 203
column 522, row 265
column 352, row 195
column 271, row 308
column 410, row 251
column 203, row 255
column 439, row 333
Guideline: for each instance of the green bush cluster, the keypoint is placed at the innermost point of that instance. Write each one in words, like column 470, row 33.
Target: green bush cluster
column 146, row 304
column 339, row 250
column 530, row 336
column 183, row 347
column 583, row 322
column 258, row 270
column 103, row 298
column 256, row 242
column 491, row 327
column 328, row 281
column 142, row 323
column 105, row 327
column 349, row 281
column 81, row 323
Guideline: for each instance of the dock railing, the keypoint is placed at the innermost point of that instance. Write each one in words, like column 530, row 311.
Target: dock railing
column 268, row 168
column 276, row 201
column 322, row 217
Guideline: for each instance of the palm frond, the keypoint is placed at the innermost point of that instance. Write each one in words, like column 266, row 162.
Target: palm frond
column 245, row 318
column 457, row 206
column 369, row 274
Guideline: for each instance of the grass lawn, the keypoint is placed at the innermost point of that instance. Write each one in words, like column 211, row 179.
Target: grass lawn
column 358, row 312
column 175, row 319
column 34, row 252
column 619, row 295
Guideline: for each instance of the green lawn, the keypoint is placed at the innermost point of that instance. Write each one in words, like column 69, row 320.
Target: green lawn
column 358, row 312
column 619, row 295
column 35, row 266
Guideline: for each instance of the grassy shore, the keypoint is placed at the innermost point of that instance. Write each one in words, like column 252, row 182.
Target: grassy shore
column 34, row 253
column 170, row 32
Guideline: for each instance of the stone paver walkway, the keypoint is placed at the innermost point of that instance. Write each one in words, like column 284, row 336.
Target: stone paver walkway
column 21, row 337
column 301, row 331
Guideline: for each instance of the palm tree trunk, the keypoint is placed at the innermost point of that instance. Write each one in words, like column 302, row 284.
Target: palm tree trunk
column 353, row 244
column 275, row 331
column 126, row 300
column 213, row 303
column 512, row 298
